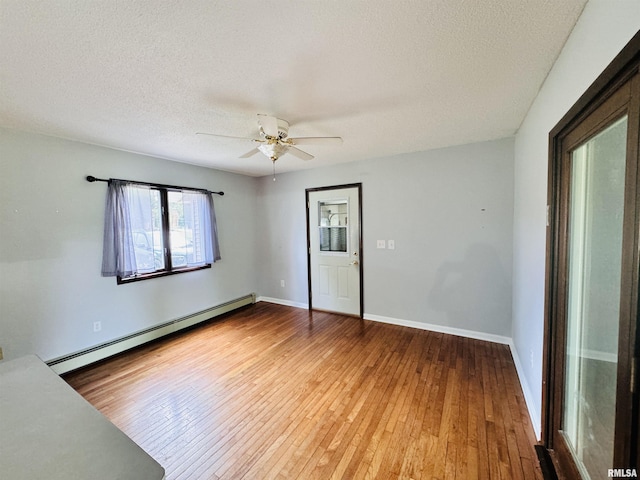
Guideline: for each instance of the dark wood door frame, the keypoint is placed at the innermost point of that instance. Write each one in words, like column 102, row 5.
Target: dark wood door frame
column 360, row 243
column 604, row 89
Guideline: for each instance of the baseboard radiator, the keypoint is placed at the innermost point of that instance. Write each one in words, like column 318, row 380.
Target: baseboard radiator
column 100, row 352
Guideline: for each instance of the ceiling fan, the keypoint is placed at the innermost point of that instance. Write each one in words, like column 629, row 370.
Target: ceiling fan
column 275, row 142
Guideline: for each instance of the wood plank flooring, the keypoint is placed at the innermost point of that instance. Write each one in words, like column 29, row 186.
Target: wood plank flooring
column 273, row 392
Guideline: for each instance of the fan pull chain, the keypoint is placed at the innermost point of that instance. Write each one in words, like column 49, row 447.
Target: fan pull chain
column 274, row 169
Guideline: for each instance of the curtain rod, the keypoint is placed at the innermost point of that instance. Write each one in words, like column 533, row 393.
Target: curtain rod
column 91, row 178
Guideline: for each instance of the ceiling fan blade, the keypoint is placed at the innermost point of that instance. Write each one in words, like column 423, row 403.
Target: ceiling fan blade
column 296, row 152
column 250, row 153
column 316, row 140
column 223, row 136
column 269, row 124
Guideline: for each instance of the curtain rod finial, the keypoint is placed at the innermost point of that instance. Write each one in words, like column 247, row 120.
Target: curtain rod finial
column 91, row 178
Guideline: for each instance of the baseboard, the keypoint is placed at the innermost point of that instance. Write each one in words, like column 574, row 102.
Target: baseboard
column 408, row 323
column 279, row 301
column 86, row 357
column 534, row 413
column 460, row 332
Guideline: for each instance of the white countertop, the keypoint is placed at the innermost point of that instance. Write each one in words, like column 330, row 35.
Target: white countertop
column 48, row 431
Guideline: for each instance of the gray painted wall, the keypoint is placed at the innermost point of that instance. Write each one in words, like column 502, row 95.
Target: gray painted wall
column 450, row 212
column 51, row 220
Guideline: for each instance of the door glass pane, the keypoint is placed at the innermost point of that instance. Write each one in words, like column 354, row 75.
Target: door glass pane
column 595, row 252
column 333, row 225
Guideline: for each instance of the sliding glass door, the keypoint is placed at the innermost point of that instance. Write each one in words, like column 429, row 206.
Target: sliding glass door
column 595, row 214
column 590, row 397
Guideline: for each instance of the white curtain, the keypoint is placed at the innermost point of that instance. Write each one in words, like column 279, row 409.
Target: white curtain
column 133, row 236
column 198, row 231
column 131, row 244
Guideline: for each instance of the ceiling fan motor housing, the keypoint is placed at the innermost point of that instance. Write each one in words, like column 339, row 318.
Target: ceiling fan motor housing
column 283, row 128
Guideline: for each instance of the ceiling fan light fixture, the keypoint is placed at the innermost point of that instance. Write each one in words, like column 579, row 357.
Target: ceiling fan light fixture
column 275, row 142
column 273, row 150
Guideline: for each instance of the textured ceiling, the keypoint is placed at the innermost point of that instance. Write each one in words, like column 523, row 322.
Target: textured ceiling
column 387, row 76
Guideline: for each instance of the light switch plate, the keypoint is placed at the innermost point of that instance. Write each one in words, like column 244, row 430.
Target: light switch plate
column 391, row 244
column 381, row 244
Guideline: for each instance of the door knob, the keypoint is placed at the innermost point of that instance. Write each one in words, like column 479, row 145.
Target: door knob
column 355, row 262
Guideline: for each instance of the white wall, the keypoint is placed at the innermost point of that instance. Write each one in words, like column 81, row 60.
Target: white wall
column 51, row 220
column 603, row 29
column 450, row 212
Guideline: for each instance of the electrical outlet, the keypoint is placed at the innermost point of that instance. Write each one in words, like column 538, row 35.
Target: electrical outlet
column 282, row 283
column 97, row 326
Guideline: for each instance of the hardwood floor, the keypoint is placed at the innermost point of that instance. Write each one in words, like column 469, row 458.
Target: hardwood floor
column 273, row 392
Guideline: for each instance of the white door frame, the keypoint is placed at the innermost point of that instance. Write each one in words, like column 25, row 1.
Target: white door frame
column 360, row 243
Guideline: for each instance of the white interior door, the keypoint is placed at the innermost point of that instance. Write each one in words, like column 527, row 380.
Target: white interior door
column 334, row 250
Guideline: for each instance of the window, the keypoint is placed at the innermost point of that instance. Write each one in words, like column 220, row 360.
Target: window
column 153, row 230
column 333, row 226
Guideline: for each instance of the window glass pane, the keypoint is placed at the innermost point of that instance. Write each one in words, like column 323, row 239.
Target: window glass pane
column 333, row 226
column 196, row 214
column 179, row 237
column 186, row 228
column 146, row 227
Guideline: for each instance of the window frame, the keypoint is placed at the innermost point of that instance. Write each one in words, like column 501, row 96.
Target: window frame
column 166, row 240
